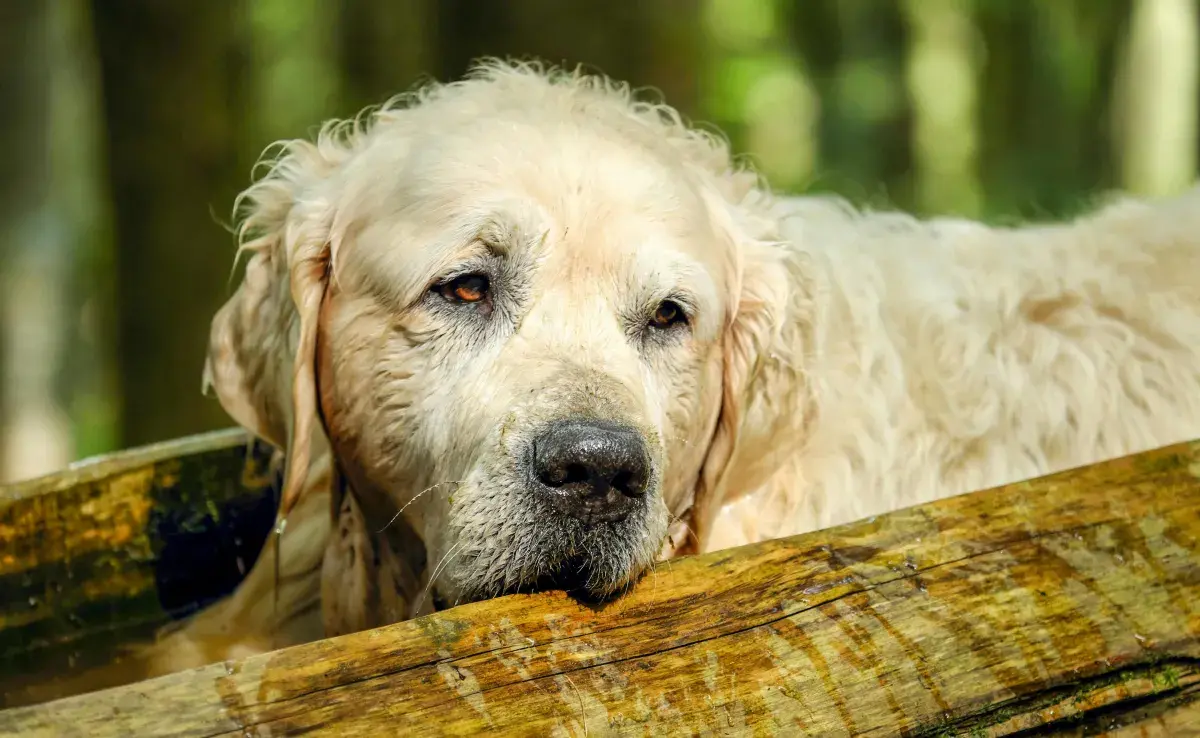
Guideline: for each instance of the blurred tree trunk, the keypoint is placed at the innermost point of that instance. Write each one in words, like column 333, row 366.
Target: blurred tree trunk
column 55, row 391
column 1044, row 95
column 854, row 52
column 943, row 86
column 172, row 78
column 33, row 430
column 1158, row 97
column 761, row 89
column 653, row 44
column 385, row 47
column 294, row 65
column 82, row 197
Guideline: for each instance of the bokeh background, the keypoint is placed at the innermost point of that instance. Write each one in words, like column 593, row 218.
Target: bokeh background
column 128, row 126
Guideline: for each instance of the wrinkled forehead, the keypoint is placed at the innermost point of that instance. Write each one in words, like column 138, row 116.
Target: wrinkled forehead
column 579, row 198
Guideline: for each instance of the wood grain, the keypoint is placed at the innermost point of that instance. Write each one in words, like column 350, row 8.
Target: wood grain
column 1069, row 604
column 104, row 553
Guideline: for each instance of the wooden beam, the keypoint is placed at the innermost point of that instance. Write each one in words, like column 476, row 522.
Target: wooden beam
column 104, row 553
column 1072, row 601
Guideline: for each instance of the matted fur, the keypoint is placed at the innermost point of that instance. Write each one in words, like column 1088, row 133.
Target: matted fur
column 838, row 363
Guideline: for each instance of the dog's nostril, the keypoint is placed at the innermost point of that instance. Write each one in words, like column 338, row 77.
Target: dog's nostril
column 559, row 476
column 553, row 477
column 625, row 483
column 577, row 473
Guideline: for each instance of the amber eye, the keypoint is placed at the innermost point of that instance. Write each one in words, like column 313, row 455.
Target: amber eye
column 668, row 314
column 467, row 288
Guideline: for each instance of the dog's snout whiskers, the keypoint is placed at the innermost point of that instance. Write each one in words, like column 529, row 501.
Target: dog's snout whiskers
column 437, row 572
column 414, row 499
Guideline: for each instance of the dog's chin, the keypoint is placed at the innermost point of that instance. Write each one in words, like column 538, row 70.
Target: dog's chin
column 606, row 572
column 520, row 543
column 581, row 580
column 577, row 578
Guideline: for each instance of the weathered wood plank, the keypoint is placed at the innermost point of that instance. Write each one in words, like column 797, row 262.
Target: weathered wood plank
column 104, row 553
column 1071, row 601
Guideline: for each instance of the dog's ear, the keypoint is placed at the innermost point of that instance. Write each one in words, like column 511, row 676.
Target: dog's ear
column 765, row 297
column 261, row 358
column 365, row 581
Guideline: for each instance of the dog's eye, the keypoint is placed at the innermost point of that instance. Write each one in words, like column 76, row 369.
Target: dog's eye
column 668, row 314
column 464, row 289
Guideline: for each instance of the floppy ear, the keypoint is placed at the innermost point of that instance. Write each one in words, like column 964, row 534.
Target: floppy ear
column 364, row 582
column 261, row 358
column 756, row 352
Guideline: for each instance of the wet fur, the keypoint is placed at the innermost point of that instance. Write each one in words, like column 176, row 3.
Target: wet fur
column 844, row 363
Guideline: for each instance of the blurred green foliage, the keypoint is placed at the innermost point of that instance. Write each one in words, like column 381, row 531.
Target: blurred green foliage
column 999, row 109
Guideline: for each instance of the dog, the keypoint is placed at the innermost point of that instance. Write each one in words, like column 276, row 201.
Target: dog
column 526, row 330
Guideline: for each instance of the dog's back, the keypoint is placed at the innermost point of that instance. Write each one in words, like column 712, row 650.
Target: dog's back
column 952, row 356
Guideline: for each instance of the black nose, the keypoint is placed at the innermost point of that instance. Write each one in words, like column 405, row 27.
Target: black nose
column 592, row 471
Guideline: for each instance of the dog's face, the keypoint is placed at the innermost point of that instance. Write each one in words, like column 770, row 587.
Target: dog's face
column 524, row 329
column 523, row 341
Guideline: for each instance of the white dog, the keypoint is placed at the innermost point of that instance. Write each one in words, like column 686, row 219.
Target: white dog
column 539, row 334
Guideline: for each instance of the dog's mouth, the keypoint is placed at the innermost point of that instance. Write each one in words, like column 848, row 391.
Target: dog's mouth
column 596, row 574
column 575, row 577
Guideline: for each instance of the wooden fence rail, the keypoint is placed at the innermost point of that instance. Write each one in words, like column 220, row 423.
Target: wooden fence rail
column 1068, row 604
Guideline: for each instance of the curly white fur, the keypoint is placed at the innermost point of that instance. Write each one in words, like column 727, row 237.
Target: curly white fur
column 942, row 357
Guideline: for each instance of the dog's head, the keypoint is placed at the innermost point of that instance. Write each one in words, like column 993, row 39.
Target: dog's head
column 526, row 310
